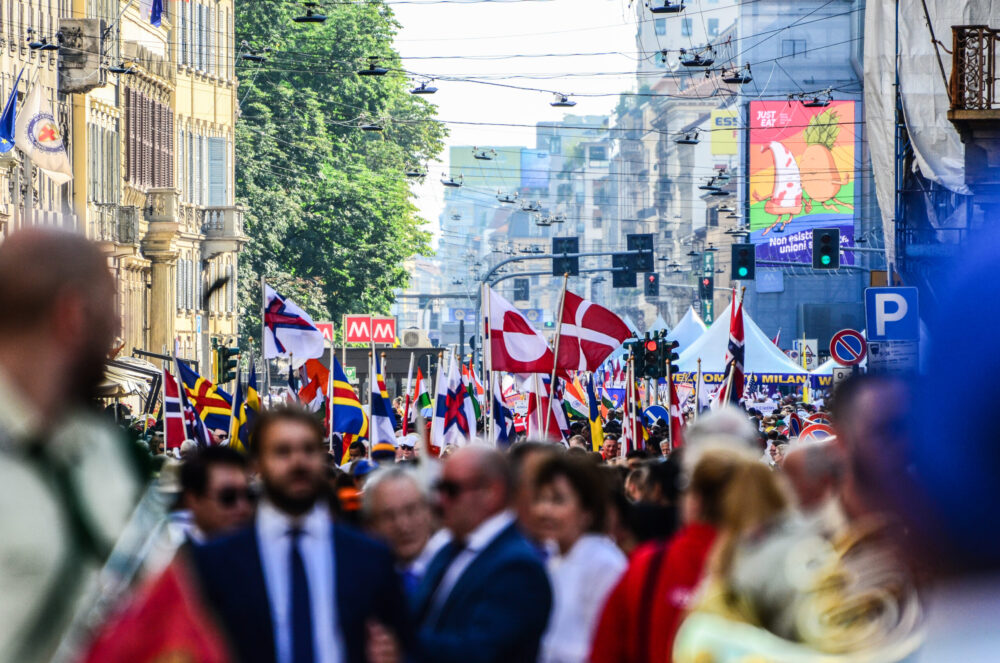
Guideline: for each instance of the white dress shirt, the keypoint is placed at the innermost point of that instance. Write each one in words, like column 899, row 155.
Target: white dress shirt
column 438, row 540
column 581, row 581
column 316, row 547
column 475, row 543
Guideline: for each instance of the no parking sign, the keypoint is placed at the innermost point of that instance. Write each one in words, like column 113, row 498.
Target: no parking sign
column 848, row 347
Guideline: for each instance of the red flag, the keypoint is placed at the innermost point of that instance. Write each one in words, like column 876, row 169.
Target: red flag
column 173, row 413
column 676, row 415
column 165, row 620
column 515, row 346
column 315, row 377
column 588, row 333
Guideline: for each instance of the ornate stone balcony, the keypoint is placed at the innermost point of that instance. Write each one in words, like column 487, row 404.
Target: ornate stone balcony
column 115, row 228
column 223, row 230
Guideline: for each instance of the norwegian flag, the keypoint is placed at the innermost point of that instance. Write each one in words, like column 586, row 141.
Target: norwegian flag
column 734, row 355
column 515, row 346
column 537, row 389
column 173, row 412
column 588, row 333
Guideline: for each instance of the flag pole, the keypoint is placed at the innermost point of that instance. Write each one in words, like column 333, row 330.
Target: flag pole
column 329, row 393
column 697, row 392
column 343, row 343
column 488, row 365
column 670, row 409
column 555, row 356
column 409, row 387
column 263, row 347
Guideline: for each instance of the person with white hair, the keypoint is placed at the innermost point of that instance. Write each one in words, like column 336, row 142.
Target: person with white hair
column 397, row 509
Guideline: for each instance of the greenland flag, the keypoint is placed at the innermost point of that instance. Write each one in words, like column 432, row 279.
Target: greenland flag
column 515, row 346
column 588, row 334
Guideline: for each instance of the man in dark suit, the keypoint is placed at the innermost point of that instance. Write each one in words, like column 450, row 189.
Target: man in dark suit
column 295, row 587
column 485, row 597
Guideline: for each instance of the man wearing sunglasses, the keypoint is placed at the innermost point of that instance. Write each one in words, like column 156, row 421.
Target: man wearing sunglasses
column 216, row 490
column 295, row 587
column 485, row 595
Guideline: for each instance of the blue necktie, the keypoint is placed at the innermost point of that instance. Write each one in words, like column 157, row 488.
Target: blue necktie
column 303, row 650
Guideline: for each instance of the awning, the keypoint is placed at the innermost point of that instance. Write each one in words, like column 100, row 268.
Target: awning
column 127, row 376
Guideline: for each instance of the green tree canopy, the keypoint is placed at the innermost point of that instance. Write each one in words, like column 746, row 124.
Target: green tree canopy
column 330, row 214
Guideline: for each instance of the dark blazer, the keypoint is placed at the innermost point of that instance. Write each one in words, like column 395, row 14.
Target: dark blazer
column 496, row 612
column 232, row 581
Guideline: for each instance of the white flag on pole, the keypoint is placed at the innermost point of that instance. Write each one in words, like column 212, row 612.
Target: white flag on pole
column 38, row 135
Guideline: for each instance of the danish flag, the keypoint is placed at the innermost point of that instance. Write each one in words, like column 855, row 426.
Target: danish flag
column 588, row 334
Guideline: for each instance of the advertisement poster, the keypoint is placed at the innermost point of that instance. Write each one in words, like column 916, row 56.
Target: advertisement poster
column 802, row 176
column 725, row 132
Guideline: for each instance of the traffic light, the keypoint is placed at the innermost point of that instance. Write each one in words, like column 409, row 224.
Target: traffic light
column 635, row 346
column 622, row 276
column 826, row 248
column 667, row 354
column 652, row 368
column 744, row 262
column 225, row 364
column 562, row 264
column 706, row 287
column 652, row 284
column 640, row 262
column 522, row 290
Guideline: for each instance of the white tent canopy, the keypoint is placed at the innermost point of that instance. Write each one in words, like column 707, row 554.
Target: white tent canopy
column 761, row 356
column 688, row 330
column 659, row 325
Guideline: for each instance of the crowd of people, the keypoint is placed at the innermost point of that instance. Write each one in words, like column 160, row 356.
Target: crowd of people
column 742, row 544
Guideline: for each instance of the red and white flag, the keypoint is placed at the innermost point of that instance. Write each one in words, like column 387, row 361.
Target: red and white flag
column 588, row 334
column 314, row 376
column 515, row 346
column 173, row 413
column 539, row 401
column 676, row 415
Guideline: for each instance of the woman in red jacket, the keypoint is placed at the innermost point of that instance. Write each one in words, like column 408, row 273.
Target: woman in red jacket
column 645, row 609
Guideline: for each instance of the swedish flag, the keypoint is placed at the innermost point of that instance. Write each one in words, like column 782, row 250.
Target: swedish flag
column 213, row 405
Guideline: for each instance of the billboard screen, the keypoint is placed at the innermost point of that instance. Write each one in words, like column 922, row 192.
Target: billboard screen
column 725, row 126
column 802, row 175
column 534, row 169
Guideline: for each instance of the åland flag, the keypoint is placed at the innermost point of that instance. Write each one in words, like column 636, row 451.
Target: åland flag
column 246, row 408
column 594, row 410
column 349, row 417
column 213, row 405
column 383, row 420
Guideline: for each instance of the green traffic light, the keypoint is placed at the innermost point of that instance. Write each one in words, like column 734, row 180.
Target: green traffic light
column 742, row 271
column 825, row 260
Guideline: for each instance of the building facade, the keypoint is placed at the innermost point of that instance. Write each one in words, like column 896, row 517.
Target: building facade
column 148, row 114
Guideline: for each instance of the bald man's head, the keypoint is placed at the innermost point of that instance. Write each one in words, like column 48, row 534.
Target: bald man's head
column 57, row 296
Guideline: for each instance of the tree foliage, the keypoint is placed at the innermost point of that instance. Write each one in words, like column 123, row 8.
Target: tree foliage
column 329, row 210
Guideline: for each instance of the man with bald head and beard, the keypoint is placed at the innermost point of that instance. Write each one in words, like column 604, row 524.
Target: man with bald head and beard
column 67, row 483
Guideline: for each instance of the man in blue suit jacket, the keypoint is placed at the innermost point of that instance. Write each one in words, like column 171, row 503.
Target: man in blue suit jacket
column 485, row 597
column 296, row 587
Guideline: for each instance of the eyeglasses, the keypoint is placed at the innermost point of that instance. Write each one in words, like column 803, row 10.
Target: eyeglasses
column 228, row 497
column 452, row 489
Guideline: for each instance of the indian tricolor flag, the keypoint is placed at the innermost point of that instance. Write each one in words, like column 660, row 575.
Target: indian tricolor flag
column 574, row 400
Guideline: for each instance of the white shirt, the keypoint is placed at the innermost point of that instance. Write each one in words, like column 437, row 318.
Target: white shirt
column 438, row 540
column 316, row 547
column 581, row 581
column 475, row 543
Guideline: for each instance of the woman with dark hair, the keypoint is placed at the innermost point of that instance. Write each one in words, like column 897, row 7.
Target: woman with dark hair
column 570, row 510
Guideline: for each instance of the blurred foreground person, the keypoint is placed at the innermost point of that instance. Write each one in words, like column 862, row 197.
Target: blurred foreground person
column 829, row 581
column 485, row 597
column 571, row 509
column 398, row 511
column 642, row 614
column 215, row 489
column 67, row 482
column 296, row 587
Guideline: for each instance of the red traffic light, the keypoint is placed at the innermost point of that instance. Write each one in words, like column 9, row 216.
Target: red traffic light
column 651, row 346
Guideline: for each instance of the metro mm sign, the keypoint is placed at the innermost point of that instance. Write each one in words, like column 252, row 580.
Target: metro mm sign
column 366, row 329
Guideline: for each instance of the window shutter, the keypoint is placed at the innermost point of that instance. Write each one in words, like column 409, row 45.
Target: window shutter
column 217, row 172
column 203, row 161
column 190, row 173
column 210, row 38
column 179, row 175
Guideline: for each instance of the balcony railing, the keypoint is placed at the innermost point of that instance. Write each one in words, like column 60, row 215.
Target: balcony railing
column 115, row 224
column 973, row 67
column 221, row 221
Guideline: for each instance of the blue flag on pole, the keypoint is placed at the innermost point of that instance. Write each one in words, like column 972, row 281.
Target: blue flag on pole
column 156, row 13
column 8, row 118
